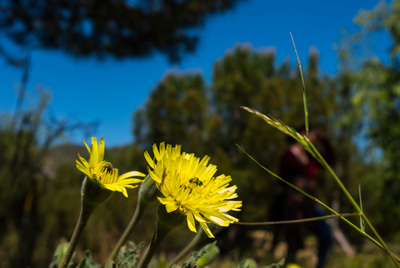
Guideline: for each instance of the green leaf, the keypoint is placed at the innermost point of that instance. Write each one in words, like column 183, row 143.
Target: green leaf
column 129, row 256
column 58, row 255
column 87, row 262
column 211, row 251
column 279, row 264
column 247, row 263
column 362, row 225
column 202, row 257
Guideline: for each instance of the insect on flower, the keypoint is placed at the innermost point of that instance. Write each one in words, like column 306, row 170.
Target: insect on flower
column 189, row 186
column 103, row 173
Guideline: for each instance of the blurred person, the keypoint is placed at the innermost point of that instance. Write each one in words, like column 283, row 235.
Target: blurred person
column 298, row 167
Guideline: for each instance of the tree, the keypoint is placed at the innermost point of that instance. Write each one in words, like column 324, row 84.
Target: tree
column 245, row 77
column 120, row 28
column 375, row 98
column 25, row 140
column 250, row 78
column 214, row 125
column 175, row 112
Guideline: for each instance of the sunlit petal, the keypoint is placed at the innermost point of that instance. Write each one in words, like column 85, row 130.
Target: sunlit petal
column 189, row 186
column 103, row 172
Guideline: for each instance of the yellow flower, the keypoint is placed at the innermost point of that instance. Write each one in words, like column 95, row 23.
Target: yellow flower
column 189, row 186
column 293, row 265
column 102, row 172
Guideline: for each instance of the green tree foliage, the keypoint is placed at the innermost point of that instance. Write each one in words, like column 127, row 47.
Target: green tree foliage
column 251, row 78
column 25, row 140
column 384, row 16
column 243, row 77
column 375, row 96
column 120, row 28
column 21, row 176
column 175, row 112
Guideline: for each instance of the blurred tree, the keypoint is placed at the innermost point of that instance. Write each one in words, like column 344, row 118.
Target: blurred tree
column 245, row 77
column 121, row 28
column 25, row 139
column 375, row 97
column 178, row 111
column 384, row 17
column 175, row 112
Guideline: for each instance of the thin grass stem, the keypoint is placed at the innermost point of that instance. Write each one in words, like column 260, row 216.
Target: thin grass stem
column 304, row 88
column 382, row 243
column 376, row 242
column 298, row 220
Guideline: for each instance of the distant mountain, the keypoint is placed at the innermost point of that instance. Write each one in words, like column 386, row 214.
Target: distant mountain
column 60, row 155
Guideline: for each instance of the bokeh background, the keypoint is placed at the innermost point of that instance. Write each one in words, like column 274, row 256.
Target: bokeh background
column 142, row 72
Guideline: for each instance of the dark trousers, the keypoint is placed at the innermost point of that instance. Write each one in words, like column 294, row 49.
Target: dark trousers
column 293, row 205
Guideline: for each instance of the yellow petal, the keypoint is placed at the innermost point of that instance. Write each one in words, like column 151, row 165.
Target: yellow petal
column 115, row 187
column 149, row 159
column 207, row 230
column 131, row 174
column 155, row 151
column 87, row 147
column 82, row 168
column 198, row 217
column 154, row 176
column 93, row 161
column 101, row 150
column 191, row 223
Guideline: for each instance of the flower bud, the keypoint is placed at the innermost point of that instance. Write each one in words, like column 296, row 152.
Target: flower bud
column 93, row 194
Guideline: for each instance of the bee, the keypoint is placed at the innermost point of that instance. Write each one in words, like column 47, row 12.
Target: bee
column 196, row 181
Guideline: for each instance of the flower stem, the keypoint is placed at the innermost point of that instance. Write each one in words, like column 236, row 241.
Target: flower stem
column 161, row 232
column 91, row 196
column 80, row 225
column 147, row 195
column 166, row 222
column 190, row 246
column 379, row 241
column 124, row 237
column 298, row 220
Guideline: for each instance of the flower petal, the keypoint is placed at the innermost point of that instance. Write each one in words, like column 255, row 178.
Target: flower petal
column 87, row 147
column 131, row 174
column 101, row 150
column 189, row 186
column 149, row 160
column 207, row 230
column 191, row 223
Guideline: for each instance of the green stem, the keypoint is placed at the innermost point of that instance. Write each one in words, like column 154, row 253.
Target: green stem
column 337, row 180
column 147, row 195
column 188, row 247
column 166, row 222
column 298, row 220
column 304, row 88
column 381, row 243
column 80, row 225
column 359, row 212
column 124, row 237
column 155, row 243
column 384, row 247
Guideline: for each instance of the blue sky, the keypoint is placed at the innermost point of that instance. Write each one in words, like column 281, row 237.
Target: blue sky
column 110, row 91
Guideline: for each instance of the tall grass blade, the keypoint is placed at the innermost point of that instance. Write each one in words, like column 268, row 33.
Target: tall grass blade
column 304, row 88
column 362, row 225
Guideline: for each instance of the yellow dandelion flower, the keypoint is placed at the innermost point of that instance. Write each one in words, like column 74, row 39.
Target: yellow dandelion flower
column 102, row 172
column 189, row 186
